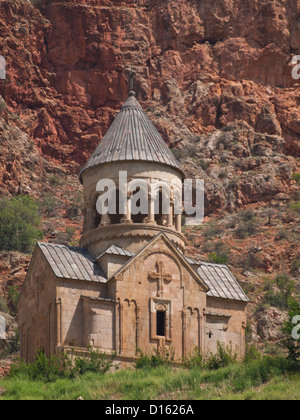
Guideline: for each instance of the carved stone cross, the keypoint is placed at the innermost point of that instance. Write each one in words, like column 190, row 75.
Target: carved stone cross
column 160, row 277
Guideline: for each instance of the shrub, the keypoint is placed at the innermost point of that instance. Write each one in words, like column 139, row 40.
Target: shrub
column 73, row 211
column 295, row 266
column 247, row 226
column 19, row 218
column 50, row 205
column 193, row 360
column 94, row 362
column 218, row 259
column 295, row 206
column 224, row 357
column 296, row 177
column 252, row 354
column 155, row 359
column 212, row 229
column 49, row 369
column 3, row 305
column 13, row 295
column 280, row 299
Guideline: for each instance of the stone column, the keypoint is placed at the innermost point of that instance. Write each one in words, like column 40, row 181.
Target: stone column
column 151, row 210
column 121, row 329
column 58, row 322
column 127, row 216
column 138, row 329
column 178, row 222
column 184, row 332
column 89, row 217
column 170, row 216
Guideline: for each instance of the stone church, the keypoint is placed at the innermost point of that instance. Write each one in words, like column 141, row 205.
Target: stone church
column 129, row 287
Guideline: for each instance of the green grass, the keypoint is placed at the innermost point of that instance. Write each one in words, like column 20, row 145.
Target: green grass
column 266, row 379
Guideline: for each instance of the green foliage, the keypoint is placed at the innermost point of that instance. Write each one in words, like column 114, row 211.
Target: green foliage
column 291, row 344
column 295, row 206
column 218, row 251
column 224, row 357
column 50, row 369
column 13, row 295
column 19, row 218
column 266, row 378
column 94, row 362
column 50, row 205
column 12, row 346
column 247, row 226
column 218, row 259
column 212, row 229
column 194, row 360
column 286, row 287
column 3, row 305
column 155, row 359
column 54, row 180
column 252, row 354
column 296, row 177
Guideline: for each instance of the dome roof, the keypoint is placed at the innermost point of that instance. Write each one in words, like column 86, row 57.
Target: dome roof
column 132, row 137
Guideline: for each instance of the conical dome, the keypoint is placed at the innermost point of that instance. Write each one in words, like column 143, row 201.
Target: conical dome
column 132, row 137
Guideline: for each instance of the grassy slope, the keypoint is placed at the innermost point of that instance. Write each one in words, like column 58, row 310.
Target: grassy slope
column 256, row 380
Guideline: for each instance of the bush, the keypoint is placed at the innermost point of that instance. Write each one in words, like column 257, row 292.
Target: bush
column 296, row 177
column 281, row 299
column 218, row 259
column 295, row 206
column 224, row 357
column 194, row 360
column 212, row 230
column 155, row 359
column 3, row 305
column 50, row 205
column 13, row 295
column 19, row 218
column 256, row 373
column 49, row 369
column 252, row 354
column 94, row 362
column 247, row 226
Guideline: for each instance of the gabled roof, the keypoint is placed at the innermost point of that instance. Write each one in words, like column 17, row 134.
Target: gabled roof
column 69, row 262
column 76, row 263
column 116, row 250
column 132, row 136
column 162, row 236
column 220, row 281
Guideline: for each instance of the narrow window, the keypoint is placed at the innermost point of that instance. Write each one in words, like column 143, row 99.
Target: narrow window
column 161, row 323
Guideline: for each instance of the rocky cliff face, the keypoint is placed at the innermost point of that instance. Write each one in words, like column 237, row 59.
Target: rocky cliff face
column 215, row 78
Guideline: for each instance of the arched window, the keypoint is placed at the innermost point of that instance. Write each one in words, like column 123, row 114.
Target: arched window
column 116, row 218
column 162, row 205
column 139, row 200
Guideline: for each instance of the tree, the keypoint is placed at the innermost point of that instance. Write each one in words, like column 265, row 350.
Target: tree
column 19, row 221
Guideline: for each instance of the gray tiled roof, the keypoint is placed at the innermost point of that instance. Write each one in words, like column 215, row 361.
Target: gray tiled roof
column 76, row 263
column 131, row 136
column 116, row 250
column 72, row 262
column 221, row 282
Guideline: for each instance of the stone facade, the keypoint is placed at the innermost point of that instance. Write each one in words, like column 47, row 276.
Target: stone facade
column 129, row 286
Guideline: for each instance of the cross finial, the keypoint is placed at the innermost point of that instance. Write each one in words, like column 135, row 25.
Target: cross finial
column 131, row 75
